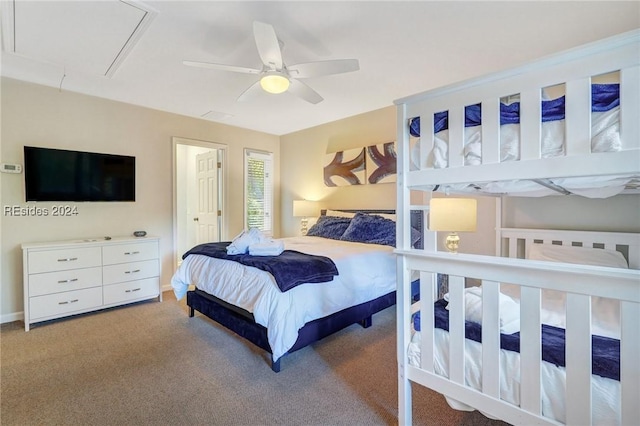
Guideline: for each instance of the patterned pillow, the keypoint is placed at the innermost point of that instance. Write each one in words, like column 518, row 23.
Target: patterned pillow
column 372, row 229
column 329, row 227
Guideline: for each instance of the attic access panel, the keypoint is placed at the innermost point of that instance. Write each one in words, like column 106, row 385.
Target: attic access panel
column 89, row 37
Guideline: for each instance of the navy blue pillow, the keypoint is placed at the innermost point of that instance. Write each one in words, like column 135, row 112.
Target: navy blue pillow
column 329, row 227
column 371, row 228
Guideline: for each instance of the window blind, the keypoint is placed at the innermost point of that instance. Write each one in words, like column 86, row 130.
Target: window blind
column 259, row 190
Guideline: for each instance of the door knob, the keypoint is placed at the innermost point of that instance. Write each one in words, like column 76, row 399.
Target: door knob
column 195, row 219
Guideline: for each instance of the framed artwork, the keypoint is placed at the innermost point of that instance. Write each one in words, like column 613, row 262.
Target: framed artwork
column 381, row 163
column 344, row 168
column 370, row 165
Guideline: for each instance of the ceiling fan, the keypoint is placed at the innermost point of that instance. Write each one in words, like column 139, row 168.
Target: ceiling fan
column 277, row 77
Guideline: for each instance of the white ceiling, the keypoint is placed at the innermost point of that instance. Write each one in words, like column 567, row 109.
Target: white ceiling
column 132, row 51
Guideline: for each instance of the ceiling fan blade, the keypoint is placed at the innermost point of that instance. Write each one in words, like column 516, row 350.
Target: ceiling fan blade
column 251, row 92
column 222, row 67
column 305, row 92
column 267, row 44
column 321, row 68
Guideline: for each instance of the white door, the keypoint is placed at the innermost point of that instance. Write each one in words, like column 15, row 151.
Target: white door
column 208, row 210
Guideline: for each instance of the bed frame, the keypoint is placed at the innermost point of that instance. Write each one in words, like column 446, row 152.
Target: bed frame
column 243, row 323
column 574, row 68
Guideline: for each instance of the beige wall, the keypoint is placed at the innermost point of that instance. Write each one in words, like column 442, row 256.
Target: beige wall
column 302, row 156
column 43, row 116
column 615, row 214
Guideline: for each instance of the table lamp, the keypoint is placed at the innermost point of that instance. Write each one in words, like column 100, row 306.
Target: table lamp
column 453, row 215
column 304, row 209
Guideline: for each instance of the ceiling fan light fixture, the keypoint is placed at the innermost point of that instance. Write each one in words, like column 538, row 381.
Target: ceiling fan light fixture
column 274, row 83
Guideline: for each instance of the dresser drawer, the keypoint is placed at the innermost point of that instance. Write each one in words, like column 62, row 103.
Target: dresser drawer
column 131, row 252
column 131, row 271
column 60, row 304
column 64, row 259
column 59, row 281
column 132, row 290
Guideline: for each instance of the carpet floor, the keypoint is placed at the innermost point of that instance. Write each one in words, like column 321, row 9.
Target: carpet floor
column 150, row 364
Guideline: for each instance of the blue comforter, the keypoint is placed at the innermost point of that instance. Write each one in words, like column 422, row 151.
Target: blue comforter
column 604, row 97
column 290, row 269
column 605, row 351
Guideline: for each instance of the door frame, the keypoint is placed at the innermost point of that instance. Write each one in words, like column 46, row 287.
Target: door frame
column 222, row 148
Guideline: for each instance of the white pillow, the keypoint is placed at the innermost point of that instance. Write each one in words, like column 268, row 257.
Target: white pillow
column 336, row 213
column 509, row 309
column 580, row 255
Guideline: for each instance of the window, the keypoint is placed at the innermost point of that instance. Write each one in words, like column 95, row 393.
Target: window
column 258, row 178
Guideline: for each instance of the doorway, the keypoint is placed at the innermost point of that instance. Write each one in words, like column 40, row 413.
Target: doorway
column 198, row 202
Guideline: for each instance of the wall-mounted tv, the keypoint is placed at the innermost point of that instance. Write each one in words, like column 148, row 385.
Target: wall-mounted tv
column 62, row 175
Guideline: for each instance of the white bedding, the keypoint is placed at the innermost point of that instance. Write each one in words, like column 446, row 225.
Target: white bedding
column 605, row 131
column 366, row 271
column 605, row 392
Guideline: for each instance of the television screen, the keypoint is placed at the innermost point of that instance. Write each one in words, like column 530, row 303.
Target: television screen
column 61, row 175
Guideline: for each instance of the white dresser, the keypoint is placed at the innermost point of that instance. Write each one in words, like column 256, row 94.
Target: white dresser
column 71, row 277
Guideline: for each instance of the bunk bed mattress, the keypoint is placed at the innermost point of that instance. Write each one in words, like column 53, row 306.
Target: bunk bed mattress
column 605, row 391
column 366, row 272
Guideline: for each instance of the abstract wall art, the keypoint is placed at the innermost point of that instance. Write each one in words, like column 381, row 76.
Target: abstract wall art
column 345, row 168
column 381, row 163
column 369, row 165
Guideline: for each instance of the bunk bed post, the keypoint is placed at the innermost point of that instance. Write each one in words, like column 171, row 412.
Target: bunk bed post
column 499, row 226
column 403, row 292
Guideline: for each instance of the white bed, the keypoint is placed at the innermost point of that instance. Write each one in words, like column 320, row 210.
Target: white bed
column 605, row 321
column 366, row 271
column 443, row 361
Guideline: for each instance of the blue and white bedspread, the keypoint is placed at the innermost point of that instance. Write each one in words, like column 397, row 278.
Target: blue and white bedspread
column 606, row 373
column 605, row 137
column 365, row 272
column 606, row 351
column 289, row 269
column 604, row 97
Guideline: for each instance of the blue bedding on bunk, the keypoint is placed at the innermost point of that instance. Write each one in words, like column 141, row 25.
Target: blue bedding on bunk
column 605, row 351
column 604, row 97
column 290, row 268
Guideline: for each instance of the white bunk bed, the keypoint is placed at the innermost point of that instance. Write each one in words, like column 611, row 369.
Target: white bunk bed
column 473, row 375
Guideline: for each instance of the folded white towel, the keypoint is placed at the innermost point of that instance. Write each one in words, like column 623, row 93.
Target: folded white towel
column 266, row 248
column 241, row 243
column 509, row 309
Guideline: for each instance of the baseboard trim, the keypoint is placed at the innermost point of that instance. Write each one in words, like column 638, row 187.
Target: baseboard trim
column 15, row 316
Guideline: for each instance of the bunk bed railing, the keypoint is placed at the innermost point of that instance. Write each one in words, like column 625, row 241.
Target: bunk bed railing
column 533, row 277
column 575, row 70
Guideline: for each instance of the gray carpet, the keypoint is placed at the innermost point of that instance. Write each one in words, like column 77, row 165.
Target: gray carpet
column 150, row 363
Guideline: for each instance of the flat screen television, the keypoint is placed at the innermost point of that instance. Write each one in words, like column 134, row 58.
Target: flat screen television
column 62, row 175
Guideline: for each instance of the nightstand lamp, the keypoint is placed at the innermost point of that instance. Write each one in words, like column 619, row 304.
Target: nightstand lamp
column 305, row 209
column 453, row 215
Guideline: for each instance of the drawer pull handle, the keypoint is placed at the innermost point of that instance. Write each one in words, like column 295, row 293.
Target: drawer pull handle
column 131, row 291
column 67, row 302
column 132, row 272
column 67, row 281
column 132, row 252
column 68, row 259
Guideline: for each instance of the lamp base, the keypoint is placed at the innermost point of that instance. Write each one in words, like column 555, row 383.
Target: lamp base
column 452, row 242
column 303, row 226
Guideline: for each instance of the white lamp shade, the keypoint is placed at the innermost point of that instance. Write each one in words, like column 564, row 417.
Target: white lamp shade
column 453, row 214
column 305, row 208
